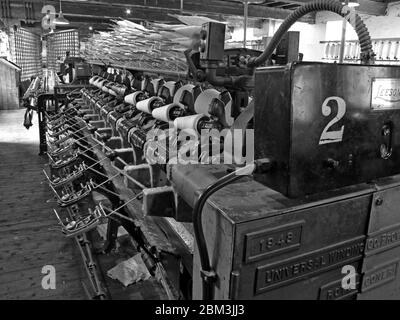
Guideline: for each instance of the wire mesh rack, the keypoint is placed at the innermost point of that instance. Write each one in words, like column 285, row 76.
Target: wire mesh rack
column 58, row 43
column 26, row 52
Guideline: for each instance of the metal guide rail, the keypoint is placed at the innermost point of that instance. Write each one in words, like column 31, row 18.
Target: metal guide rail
column 79, row 169
column 69, row 143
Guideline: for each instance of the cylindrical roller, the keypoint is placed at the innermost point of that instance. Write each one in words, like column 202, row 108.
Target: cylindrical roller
column 105, row 89
column 337, row 50
column 388, row 50
column 347, row 50
column 137, row 137
column 380, row 51
column 112, row 119
column 392, row 53
column 357, row 54
column 327, row 45
column 171, row 86
column 98, row 105
column 134, row 97
column 351, row 50
column 351, row 44
column 123, row 126
column 143, row 84
column 148, row 105
column 384, row 50
column 97, row 81
column 332, row 50
column 396, row 50
column 118, row 126
column 156, row 84
column 178, row 94
column 118, row 88
column 105, row 82
column 123, row 107
column 189, row 122
column 101, row 83
column 106, row 109
column 204, row 100
column 92, row 79
column 136, row 84
column 168, row 112
column 375, row 47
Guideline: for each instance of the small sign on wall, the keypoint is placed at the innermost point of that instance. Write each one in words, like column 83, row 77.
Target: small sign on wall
column 385, row 94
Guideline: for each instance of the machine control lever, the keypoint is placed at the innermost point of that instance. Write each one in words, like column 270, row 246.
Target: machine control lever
column 385, row 148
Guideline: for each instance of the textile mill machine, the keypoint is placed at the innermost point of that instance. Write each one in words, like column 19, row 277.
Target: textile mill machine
column 313, row 188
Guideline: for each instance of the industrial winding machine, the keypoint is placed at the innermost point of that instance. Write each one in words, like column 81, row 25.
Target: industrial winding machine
column 312, row 191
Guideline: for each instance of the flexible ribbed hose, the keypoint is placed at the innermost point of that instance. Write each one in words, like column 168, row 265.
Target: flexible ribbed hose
column 367, row 54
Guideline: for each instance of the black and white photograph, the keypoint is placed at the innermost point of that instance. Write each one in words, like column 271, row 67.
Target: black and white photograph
column 192, row 155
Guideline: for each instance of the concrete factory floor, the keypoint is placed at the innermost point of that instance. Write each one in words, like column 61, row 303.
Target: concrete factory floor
column 28, row 239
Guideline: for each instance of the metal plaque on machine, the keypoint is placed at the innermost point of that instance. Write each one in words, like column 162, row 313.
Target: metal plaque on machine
column 385, row 94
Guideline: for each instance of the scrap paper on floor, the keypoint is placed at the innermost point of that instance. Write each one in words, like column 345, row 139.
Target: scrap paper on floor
column 130, row 271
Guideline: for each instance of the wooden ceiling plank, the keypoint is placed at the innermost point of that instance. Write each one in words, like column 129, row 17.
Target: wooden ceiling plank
column 157, row 10
column 290, row 6
column 366, row 6
column 277, row 4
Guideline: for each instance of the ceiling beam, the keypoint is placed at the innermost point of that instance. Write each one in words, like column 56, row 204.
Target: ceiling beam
column 146, row 10
column 236, row 8
column 377, row 8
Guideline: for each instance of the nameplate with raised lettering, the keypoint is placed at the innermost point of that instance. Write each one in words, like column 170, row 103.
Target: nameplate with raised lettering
column 272, row 241
column 379, row 275
column 336, row 291
column 385, row 94
column 383, row 240
column 294, row 269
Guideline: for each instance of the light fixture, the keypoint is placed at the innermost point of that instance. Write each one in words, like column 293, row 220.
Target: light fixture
column 352, row 3
column 60, row 20
column 128, row 11
column 91, row 28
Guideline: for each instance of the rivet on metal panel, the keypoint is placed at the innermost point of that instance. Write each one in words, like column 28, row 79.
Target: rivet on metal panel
column 378, row 201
